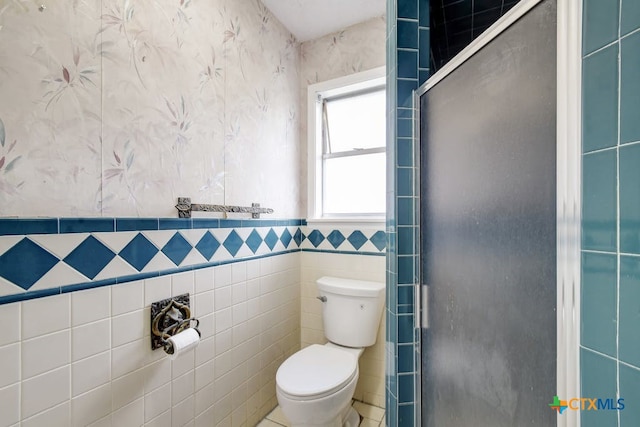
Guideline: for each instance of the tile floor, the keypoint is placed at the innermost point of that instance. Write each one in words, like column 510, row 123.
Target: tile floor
column 373, row 416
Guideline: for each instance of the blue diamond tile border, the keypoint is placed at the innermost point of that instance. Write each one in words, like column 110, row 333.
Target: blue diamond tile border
column 90, row 266
column 26, row 262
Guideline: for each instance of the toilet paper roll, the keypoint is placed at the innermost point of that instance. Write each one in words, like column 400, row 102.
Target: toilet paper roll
column 183, row 342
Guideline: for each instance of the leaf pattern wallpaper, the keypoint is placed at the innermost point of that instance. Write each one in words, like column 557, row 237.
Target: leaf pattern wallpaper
column 117, row 107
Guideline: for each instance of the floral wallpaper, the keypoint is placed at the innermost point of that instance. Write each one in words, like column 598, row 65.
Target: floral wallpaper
column 357, row 48
column 117, row 107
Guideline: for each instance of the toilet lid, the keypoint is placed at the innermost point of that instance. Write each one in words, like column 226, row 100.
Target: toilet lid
column 317, row 369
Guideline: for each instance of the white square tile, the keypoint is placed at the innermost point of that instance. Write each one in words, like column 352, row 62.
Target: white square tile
column 224, row 341
column 129, row 357
column 205, row 351
column 56, row 348
column 157, row 402
column 207, row 326
column 182, row 413
column 204, row 375
column 90, row 373
column 222, row 298
column 58, row 416
column 10, row 363
column 90, row 305
column 204, row 398
column 128, row 327
column 204, row 279
column 203, row 304
column 183, row 364
column 104, row 422
column 239, row 293
column 130, row 415
column 91, row 406
column 127, row 297
column 239, row 313
column 45, row 391
column 222, row 276
column 90, row 339
column 127, row 388
column 10, row 405
column 156, row 289
column 10, row 319
column 157, row 374
column 162, row 420
column 238, row 272
column 182, row 283
column 45, row 315
column 223, row 320
column 253, row 288
column 253, row 269
column 182, row 387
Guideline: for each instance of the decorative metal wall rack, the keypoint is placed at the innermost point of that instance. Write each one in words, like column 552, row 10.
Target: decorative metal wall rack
column 185, row 207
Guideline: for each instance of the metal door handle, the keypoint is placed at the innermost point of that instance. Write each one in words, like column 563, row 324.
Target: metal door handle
column 322, row 298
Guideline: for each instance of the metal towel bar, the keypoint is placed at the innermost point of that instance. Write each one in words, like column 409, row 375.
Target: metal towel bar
column 185, row 207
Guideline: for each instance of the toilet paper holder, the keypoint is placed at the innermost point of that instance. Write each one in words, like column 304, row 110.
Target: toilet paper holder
column 168, row 318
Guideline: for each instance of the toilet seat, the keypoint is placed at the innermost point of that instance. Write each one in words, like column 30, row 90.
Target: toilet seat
column 315, row 372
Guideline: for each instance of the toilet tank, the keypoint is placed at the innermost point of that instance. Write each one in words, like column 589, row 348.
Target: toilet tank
column 351, row 310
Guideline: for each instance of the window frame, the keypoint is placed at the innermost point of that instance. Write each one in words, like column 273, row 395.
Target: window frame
column 362, row 82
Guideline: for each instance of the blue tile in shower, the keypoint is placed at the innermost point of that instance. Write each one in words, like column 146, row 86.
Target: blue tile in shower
column 404, row 182
column 271, row 239
column 392, row 326
column 406, row 241
column 90, row 257
column 208, row 245
column 205, row 223
column 391, row 403
column 404, row 128
column 599, row 302
column 628, row 339
column 405, row 388
column 598, row 380
column 630, row 16
column 406, row 415
column 139, row 252
column 405, row 113
column 174, row 223
column 600, row 100
column 599, row 210
column 336, row 238
column 405, row 328
column 629, row 199
column 25, row 263
column 232, row 243
column 408, row 9
column 405, row 358
column 86, row 225
column 28, row 226
column 405, row 294
column 423, row 75
column 407, row 35
column 136, row 224
column 630, row 88
column 315, row 237
column 630, row 392
column 600, row 24
column 405, row 92
column 424, row 13
column 177, row 249
column 407, row 64
column 406, row 270
column 286, row 238
column 405, row 211
column 424, row 36
column 357, row 239
column 404, row 152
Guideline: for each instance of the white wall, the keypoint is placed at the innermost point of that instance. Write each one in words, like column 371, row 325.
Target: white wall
column 84, row 358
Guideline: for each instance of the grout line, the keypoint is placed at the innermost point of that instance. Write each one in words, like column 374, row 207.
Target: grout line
column 601, row 49
column 619, row 63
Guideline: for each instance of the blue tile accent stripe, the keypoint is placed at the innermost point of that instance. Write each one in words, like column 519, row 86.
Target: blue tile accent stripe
column 46, row 263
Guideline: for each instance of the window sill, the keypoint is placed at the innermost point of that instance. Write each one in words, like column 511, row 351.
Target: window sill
column 348, row 222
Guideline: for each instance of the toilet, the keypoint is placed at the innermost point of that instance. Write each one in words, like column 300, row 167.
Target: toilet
column 315, row 385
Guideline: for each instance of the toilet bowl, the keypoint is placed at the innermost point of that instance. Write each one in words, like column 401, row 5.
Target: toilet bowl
column 315, row 385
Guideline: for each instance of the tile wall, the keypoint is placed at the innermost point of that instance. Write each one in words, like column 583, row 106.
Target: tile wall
column 99, row 369
column 407, row 68
column 610, row 354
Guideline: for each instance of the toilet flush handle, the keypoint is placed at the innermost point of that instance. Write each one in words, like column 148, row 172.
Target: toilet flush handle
column 322, row 298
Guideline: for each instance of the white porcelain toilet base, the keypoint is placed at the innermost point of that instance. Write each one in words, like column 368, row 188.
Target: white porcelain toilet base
column 353, row 418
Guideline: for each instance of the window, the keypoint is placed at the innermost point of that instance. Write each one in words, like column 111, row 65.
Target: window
column 347, row 154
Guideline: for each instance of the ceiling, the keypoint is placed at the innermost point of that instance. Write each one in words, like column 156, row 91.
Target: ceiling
column 310, row 19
